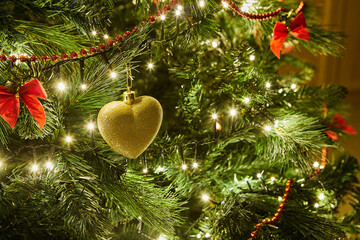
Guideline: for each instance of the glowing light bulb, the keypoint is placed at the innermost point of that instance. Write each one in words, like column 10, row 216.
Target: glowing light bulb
column 145, row 170
column 83, row 86
column 316, row 164
column 177, row 12
column 184, row 167
column 268, row 85
column 252, row 57
column 246, row 100
column 280, row 199
column 195, row 165
column 280, row 91
column 162, row 237
column 198, row 235
column 272, row 178
column 205, row 197
column 49, row 165
column 232, row 112
column 259, row 175
column 150, row 65
column 267, row 128
column 179, row 7
column 106, row 36
column 90, row 126
column 316, row 205
column 162, row 17
column 160, row 169
column 214, row 116
column 321, row 196
column 293, row 86
column 214, row 44
column 322, row 167
column 201, row 3
column 225, row 4
column 61, row 86
column 68, row 139
column 34, row 168
column 207, row 235
column 93, row 33
column 113, row 74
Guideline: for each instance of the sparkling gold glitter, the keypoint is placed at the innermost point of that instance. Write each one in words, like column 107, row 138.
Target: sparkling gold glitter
column 130, row 128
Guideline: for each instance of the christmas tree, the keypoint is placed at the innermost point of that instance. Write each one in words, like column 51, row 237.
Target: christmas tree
column 241, row 146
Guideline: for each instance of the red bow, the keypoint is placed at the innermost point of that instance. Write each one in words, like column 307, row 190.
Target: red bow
column 297, row 28
column 337, row 121
column 10, row 104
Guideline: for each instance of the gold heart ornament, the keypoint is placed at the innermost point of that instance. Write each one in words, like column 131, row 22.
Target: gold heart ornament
column 131, row 125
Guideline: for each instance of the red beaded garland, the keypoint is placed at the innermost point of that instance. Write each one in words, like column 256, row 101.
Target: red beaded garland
column 33, row 58
column 3, row 57
column 12, row 58
column 158, row 13
column 64, row 56
column 83, row 52
column 167, row 8
column 127, row 34
column 102, row 47
column 134, row 29
column 45, row 58
column 119, row 38
column 152, row 19
column 54, row 58
column 23, row 58
column 174, row 2
column 92, row 50
column 74, row 54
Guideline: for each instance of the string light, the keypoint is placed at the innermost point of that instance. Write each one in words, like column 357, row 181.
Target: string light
column 252, row 57
column 150, row 65
column 106, row 36
column 61, row 86
column 205, row 197
column 160, row 168
column 316, row 205
column 207, row 235
column 68, row 139
column 145, row 170
column 179, row 7
column 233, row 112
column 90, row 126
column 322, row 167
column 177, row 12
column 162, row 237
column 195, row 165
column 184, row 167
column 83, row 86
column 218, row 126
column 49, row 165
column 214, row 116
column 214, row 44
column 162, row 17
column 321, row 196
column 280, row 199
column 202, row 3
column 113, row 74
column 93, row 33
column 246, row 100
column 316, row 164
column 268, row 85
column 198, row 235
column 225, row 4
column 293, row 86
column 280, row 91
column 267, row 128
column 276, row 124
column 34, row 168
column 259, row 175
column 272, row 178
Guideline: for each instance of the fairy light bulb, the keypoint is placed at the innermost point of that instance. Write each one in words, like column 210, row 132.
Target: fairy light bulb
column 202, row 3
column 225, row 4
column 272, row 178
column 150, row 65
column 113, row 74
column 259, row 175
column 246, row 100
column 214, row 116
column 106, row 36
column 184, row 167
column 207, row 235
column 34, row 168
column 61, row 86
column 160, row 168
column 162, row 237
column 316, row 205
column 280, row 199
column 321, row 196
column 49, row 165
column 195, row 165
column 316, row 164
column 177, row 12
column 68, row 139
column 179, row 7
column 293, row 86
column 252, row 57
column 280, row 90
column 267, row 128
column 214, row 44
column 145, row 170
column 91, row 126
column 83, row 86
column 276, row 123
column 267, row 85
column 93, row 33
column 162, row 17
column 198, row 235
column 205, row 197
column 233, row 112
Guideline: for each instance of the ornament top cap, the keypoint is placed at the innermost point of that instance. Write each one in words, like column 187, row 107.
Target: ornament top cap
column 129, row 97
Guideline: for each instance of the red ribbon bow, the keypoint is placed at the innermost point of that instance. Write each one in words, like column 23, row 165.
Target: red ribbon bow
column 297, row 29
column 10, row 104
column 337, row 121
